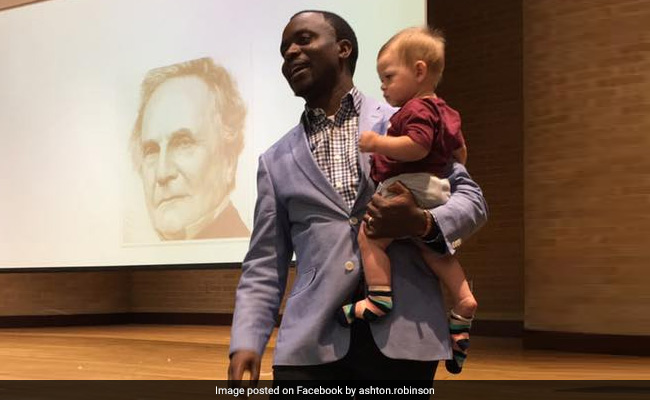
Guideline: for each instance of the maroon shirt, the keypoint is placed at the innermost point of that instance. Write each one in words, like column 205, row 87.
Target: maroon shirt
column 431, row 123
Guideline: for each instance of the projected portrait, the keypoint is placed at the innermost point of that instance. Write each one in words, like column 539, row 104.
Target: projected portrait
column 185, row 145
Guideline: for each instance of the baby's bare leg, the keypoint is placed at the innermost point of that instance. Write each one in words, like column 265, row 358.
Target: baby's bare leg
column 376, row 264
column 451, row 274
column 376, row 269
column 449, row 271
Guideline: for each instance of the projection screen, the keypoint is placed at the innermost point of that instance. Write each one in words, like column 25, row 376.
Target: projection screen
column 93, row 123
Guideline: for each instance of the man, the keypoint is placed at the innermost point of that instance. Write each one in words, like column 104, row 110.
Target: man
column 185, row 145
column 313, row 188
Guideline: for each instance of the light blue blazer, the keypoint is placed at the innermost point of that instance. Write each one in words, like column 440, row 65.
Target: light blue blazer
column 298, row 210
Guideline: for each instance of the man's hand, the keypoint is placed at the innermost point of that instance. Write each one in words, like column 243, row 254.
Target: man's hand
column 367, row 141
column 396, row 217
column 240, row 362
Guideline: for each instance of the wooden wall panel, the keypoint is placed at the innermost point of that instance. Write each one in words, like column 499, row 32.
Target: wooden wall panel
column 587, row 172
column 186, row 291
column 483, row 81
column 64, row 293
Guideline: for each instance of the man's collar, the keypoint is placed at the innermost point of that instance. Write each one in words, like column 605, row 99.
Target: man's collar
column 315, row 117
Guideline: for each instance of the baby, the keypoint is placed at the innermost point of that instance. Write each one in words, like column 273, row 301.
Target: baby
column 422, row 141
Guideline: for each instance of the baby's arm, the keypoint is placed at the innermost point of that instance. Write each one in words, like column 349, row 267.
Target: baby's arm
column 400, row 148
column 460, row 154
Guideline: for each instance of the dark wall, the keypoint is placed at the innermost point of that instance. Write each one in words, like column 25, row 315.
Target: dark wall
column 483, row 81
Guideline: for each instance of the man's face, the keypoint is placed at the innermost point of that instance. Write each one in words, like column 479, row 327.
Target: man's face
column 398, row 81
column 311, row 55
column 181, row 171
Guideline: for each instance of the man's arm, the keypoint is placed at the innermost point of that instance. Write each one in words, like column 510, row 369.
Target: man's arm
column 262, row 283
column 460, row 154
column 464, row 213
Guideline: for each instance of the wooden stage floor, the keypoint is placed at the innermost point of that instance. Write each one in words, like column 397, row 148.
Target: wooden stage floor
column 152, row 352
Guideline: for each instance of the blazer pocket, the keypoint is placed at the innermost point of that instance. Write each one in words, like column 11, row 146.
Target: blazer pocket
column 303, row 281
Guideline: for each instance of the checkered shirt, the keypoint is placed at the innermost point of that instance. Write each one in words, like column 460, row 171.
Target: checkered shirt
column 333, row 142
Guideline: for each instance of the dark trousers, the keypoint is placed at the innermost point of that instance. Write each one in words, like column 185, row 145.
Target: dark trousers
column 364, row 364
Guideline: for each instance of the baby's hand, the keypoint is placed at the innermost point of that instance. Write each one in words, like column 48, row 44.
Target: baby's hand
column 367, row 141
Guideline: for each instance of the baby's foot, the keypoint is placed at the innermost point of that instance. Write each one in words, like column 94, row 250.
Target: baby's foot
column 459, row 332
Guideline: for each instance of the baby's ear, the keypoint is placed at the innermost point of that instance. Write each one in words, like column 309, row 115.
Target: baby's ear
column 421, row 69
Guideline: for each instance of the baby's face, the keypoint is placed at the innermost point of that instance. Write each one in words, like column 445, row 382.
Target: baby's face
column 398, row 80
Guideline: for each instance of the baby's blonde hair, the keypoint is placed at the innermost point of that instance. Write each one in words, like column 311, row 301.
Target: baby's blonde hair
column 419, row 43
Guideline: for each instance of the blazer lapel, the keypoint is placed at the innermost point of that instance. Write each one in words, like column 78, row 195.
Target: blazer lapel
column 305, row 161
column 371, row 119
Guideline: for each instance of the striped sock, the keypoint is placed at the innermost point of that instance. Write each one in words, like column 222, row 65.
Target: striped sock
column 459, row 332
column 378, row 303
column 345, row 315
